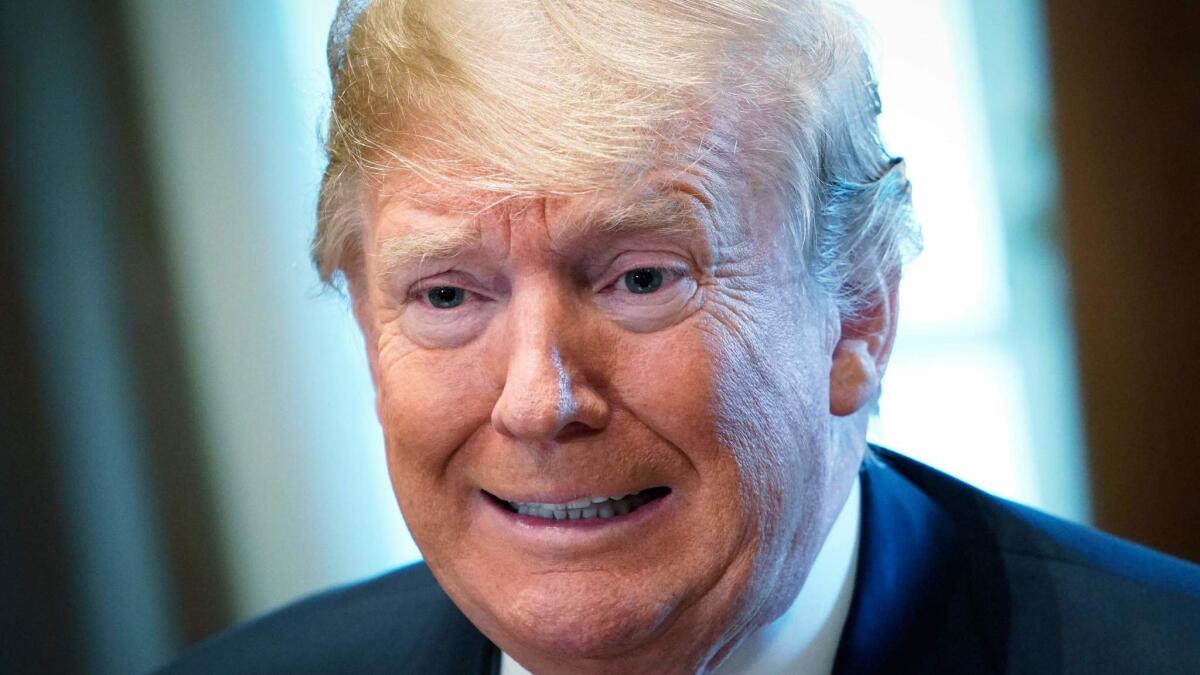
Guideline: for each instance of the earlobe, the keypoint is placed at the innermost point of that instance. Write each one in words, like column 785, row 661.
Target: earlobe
column 861, row 355
column 853, row 379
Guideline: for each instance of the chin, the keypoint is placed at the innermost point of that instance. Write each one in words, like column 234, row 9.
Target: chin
column 584, row 615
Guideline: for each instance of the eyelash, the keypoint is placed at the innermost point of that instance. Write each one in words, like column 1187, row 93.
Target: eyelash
column 420, row 293
column 670, row 276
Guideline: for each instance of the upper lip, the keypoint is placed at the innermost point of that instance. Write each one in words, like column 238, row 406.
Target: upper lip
column 566, row 500
column 579, row 503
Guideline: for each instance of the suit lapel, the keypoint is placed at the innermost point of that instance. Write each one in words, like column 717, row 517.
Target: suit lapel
column 915, row 601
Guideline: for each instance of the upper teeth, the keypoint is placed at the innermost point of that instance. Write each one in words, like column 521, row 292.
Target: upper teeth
column 584, row 507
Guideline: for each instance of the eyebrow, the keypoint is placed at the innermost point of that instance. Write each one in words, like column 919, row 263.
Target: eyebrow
column 424, row 246
column 667, row 214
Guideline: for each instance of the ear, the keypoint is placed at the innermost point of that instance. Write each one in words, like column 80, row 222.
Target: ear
column 862, row 351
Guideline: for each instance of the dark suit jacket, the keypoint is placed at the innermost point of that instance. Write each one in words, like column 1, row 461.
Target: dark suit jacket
column 950, row 580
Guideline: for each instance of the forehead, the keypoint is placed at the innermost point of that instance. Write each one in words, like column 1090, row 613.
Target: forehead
column 712, row 154
column 709, row 184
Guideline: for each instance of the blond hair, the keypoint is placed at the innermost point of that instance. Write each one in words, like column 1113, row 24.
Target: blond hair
column 569, row 97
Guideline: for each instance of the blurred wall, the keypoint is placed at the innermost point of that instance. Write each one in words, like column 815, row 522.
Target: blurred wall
column 1127, row 91
column 283, row 399
column 106, row 524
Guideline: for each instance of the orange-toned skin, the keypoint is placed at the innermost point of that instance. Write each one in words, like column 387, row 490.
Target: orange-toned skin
column 733, row 384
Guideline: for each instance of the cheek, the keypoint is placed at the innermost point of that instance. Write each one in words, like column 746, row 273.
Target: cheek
column 430, row 404
column 665, row 380
column 744, row 405
column 671, row 382
column 769, row 409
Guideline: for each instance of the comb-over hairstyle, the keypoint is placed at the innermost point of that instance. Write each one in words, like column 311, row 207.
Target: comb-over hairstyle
column 569, row 97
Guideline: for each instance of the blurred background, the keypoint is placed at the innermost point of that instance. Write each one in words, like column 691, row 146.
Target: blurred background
column 186, row 421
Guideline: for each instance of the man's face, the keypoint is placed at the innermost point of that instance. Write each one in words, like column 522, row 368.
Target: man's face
column 652, row 354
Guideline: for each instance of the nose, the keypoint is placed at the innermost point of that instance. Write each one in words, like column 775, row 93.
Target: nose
column 545, row 396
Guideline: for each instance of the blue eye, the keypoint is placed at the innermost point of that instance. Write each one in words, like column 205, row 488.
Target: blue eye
column 643, row 280
column 446, row 297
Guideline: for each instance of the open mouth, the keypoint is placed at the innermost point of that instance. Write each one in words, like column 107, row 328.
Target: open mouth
column 586, row 508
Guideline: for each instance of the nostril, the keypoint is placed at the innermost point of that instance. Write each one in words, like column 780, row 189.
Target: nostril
column 575, row 430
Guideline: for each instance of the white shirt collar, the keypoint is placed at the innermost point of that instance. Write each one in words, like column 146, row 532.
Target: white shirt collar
column 806, row 637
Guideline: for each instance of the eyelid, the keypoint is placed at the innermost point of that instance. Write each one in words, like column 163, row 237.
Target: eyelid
column 634, row 260
column 418, row 289
column 671, row 272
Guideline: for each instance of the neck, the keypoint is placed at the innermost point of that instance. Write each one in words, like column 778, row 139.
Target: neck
column 805, row 638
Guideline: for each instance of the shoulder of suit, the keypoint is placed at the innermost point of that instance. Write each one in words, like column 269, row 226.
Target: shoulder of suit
column 402, row 617
column 1023, row 532
column 1107, row 602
